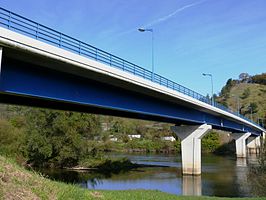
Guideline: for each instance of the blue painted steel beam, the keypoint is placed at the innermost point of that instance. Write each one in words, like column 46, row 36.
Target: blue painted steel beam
column 35, row 85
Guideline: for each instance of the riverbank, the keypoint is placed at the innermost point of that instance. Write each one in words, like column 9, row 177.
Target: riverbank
column 18, row 183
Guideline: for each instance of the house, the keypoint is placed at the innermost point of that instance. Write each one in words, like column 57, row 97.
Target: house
column 112, row 138
column 105, row 126
column 168, row 138
column 131, row 137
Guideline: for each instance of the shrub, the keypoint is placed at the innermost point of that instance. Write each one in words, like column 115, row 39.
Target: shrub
column 210, row 142
column 10, row 139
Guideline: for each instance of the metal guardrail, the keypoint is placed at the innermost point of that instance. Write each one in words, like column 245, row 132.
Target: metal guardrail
column 40, row 32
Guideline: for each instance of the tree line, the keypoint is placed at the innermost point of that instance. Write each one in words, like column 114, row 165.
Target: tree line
column 53, row 138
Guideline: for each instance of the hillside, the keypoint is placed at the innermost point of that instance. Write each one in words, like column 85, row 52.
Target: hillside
column 249, row 97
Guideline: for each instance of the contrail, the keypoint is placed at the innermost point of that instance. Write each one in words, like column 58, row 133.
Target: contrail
column 162, row 19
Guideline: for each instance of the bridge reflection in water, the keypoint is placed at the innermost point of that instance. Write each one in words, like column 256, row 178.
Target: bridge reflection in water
column 191, row 185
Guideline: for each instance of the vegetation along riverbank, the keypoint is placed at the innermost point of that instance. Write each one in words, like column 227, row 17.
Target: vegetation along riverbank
column 63, row 139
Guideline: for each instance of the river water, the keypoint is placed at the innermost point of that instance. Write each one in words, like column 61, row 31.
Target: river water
column 221, row 176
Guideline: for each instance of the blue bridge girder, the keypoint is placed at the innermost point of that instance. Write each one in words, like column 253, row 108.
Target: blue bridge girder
column 36, row 80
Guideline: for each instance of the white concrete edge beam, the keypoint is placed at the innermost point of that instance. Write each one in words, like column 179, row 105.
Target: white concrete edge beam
column 16, row 40
column 1, row 54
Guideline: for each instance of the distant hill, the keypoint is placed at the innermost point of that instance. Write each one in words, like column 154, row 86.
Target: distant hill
column 248, row 94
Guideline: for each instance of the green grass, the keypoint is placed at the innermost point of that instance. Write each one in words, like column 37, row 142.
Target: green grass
column 18, row 183
column 156, row 195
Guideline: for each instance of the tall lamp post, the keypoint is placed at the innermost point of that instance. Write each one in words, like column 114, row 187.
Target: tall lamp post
column 152, row 47
column 210, row 75
column 251, row 112
column 238, row 104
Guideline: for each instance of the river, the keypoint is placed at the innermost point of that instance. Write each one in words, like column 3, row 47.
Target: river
column 221, row 176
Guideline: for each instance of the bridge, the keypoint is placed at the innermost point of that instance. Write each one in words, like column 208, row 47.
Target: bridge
column 42, row 67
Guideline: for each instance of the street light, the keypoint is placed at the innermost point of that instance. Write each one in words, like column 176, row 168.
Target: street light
column 238, row 104
column 152, row 47
column 210, row 75
column 251, row 112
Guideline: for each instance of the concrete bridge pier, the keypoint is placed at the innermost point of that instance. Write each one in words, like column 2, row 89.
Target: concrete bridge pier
column 191, row 146
column 253, row 145
column 240, row 139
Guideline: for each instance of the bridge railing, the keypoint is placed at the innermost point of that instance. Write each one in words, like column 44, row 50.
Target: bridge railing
column 40, row 32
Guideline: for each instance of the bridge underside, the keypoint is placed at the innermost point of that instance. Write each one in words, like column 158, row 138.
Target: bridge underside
column 25, row 83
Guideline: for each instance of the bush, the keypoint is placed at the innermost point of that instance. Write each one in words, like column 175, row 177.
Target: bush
column 257, row 178
column 259, row 79
column 57, row 137
column 245, row 94
column 210, row 142
column 10, row 139
column 257, row 174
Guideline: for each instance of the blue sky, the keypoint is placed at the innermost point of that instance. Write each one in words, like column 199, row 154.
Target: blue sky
column 222, row 37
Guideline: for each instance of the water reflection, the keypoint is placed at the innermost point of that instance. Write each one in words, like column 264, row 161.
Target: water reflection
column 91, row 183
column 241, row 162
column 241, row 175
column 221, row 176
column 191, row 185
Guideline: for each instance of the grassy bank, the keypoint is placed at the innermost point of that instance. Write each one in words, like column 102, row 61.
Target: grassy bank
column 18, row 183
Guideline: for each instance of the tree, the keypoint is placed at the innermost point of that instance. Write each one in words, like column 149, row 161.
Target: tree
column 259, row 79
column 58, row 137
column 244, row 77
column 253, row 107
column 245, row 94
column 210, row 142
column 10, row 138
column 225, row 92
